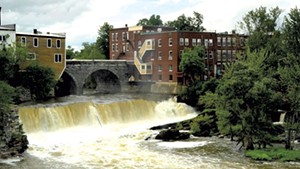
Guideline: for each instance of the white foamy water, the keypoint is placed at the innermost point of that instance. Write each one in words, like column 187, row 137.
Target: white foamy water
column 94, row 135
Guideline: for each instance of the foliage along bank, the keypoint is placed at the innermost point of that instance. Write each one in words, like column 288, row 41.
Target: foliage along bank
column 242, row 104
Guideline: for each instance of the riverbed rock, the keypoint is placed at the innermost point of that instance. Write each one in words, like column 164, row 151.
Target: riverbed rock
column 172, row 135
column 13, row 141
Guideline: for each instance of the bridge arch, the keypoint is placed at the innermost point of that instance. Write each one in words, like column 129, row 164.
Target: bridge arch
column 110, row 75
column 106, row 81
column 67, row 85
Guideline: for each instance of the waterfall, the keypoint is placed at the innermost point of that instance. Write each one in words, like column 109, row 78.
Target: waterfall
column 55, row 117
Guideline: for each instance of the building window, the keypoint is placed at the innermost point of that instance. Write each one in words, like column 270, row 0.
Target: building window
column 58, row 58
column 224, row 55
column 219, row 41
column 117, row 48
column 159, row 55
column 127, row 35
column 199, row 43
column 210, row 42
column 159, row 77
column 194, row 42
column 113, row 47
column 2, row 38
column 180, row 54
column 123, row 48
column 233, row 55
column 139, row 44
column 49, row 43
column 170, row 68
column 170, row 55
column 159, row 68
column 58, row 43
column 152, row 55
column 31, row 56
column 211, row 55
column 219, row 54
column 170, row 41
column 186, row 42
column 127, row 46
column 23, row 41
column 159, row 42
column 35, row 42
column 228, row 41
column 181, row 41
column 117, row 37
column 123, row 36
column 224, row 41
column 112, row 36
column 233, row 41
column 170, row 77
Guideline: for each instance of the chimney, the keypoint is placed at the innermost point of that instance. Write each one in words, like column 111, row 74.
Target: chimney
column 0, row 15
column 35, row 31
column 126, row 25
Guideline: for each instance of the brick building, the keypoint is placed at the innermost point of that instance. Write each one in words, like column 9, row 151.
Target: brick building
column 155, row 51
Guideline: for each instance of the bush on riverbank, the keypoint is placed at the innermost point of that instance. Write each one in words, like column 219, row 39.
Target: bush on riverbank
column 274, row 154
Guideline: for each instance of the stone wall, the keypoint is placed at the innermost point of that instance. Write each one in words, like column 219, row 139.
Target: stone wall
column 13, row 141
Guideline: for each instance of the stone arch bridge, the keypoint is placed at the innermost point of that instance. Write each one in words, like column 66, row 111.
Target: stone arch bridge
column 110, row 76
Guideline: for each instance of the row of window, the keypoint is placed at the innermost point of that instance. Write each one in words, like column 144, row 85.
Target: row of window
column 221, row 41
column 58, row 57
column 35, row 42
column 115, row 36
column 230, row 41
column 2, row 38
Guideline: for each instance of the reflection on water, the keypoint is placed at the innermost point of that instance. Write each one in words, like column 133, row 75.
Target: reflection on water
column 109, row 131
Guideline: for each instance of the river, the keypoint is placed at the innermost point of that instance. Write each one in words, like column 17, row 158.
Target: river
column 110, row 131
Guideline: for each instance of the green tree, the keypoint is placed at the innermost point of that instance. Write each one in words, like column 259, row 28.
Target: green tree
column 290, row 80
column 70, row 53
column 7, row 93
column 102, row 42
column 89, row 51
column 291, row 30
column 184, row 23
column 192, row 64
column 244, row 101
column 262, row 26
column 153, row 20
column 39, row 80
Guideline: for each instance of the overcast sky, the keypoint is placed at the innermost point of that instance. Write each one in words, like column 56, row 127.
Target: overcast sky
column 82, row 19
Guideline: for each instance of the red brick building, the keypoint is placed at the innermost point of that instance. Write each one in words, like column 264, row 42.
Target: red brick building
column 156, row 50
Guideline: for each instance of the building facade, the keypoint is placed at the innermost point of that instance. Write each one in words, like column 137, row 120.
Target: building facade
column 48, row 49
column 155, row 51
column 7, row 35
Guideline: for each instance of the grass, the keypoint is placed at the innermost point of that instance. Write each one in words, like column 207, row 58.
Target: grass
column 274, row 154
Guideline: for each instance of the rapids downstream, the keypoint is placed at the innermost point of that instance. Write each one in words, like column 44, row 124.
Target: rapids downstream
column 110, row 131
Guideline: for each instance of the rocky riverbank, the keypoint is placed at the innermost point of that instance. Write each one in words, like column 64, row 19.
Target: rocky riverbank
column 13, row 141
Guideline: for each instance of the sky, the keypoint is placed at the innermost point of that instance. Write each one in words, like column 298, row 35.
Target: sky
column 81, row 20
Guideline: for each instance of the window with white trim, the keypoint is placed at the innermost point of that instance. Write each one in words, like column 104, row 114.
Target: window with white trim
column 58, row 43
column 170, row 55
column 49, row 43
column 57, row 58
column 170, row 68
column 170, row 41
column 35, row 42
column 186, row 42
column 23, row 41
column 159, row 68
column 194, row 42
column 159, row 43
column 159, row 55
column 181, row 41
column 31, row 56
